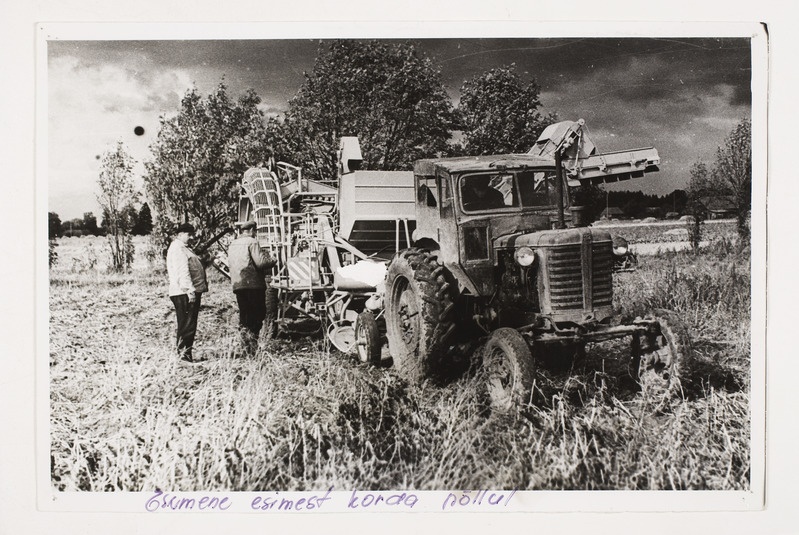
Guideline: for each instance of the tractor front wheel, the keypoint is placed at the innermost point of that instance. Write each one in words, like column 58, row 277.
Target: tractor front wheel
column 508, row 367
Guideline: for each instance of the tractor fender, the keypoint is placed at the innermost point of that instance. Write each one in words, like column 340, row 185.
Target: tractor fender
column 460, row 276
column 463, row 280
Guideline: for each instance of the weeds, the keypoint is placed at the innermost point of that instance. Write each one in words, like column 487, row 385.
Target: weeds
column 52, row 252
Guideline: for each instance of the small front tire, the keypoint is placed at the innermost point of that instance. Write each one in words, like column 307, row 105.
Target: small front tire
column 367, row 339
column 508, row 367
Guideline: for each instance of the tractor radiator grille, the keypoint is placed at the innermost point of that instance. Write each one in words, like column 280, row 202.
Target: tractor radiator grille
column 580, row 281
column 602, row 274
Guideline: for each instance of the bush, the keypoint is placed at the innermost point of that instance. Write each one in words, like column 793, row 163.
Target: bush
column 52, row 252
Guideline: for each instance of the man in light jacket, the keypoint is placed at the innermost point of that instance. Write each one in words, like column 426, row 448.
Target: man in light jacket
column 249, row 265
column 187, row 283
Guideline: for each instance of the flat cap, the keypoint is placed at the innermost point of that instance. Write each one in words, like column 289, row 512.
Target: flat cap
column 248, row 225
column 186, row 227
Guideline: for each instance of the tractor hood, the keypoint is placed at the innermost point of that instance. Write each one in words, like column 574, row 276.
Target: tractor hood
column 550, row 238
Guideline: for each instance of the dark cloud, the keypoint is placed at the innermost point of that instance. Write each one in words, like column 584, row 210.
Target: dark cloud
column 636, row 70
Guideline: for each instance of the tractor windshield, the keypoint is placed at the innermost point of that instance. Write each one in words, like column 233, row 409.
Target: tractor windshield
column 508, row 190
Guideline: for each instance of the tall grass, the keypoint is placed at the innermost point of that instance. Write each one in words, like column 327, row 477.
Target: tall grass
column 126, row 416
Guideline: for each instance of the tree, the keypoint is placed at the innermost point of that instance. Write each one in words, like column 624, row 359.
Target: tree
column 90, row 223
column 703, row 184
column 73, row 227
column 674, row 202
column 734, row 169
column 200, row 156
column 144, row 221
column 53, row 225
column 387, row 94
column 53, row 232
column 117, row 197
column 635, row 206
column 499, row 113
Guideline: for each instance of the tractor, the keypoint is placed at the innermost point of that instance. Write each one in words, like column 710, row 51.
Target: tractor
column 501, row 261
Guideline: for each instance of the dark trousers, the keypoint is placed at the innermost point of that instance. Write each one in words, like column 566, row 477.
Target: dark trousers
column 186, row 313
column 252, row 309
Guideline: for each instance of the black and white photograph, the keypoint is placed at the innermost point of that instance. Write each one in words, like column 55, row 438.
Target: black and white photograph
column 386, row 266
column 332, row 268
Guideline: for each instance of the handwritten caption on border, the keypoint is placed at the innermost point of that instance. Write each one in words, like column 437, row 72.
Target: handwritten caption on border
column 474, row 500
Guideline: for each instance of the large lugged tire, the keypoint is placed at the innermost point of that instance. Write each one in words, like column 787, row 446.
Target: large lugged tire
column 663, row 357
column 367, row 338
column 419, row 313
column 508, row 367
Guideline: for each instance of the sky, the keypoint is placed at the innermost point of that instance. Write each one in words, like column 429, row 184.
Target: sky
column 682, row 96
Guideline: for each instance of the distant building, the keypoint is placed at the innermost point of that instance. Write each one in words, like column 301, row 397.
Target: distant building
column 719, row 207
column 611, row 212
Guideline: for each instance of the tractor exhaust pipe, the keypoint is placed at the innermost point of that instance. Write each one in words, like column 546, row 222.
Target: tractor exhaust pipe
column 559, row 189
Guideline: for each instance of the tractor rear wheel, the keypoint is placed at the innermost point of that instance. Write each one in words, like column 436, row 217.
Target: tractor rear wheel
column 367, row 338
column 508, row 366
column 420, row 317
column 662, row 357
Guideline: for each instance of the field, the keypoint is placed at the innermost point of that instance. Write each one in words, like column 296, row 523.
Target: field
column 299, row 416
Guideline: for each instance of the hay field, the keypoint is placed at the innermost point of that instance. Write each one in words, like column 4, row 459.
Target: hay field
column 126, row 416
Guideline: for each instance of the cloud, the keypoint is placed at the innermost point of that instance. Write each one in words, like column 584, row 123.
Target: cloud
column 91, row 107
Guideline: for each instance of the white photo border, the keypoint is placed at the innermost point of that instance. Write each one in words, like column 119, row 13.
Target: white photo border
column 523, row 501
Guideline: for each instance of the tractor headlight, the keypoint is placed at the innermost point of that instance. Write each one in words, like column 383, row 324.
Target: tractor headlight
column 620, row 246
column 524, row 256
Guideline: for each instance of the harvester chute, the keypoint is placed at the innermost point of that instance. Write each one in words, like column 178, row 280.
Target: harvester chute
column 584, row 164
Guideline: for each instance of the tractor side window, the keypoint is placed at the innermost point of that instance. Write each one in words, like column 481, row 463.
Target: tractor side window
column 442, row 183
column 426, row 197
column 538, row 188
column 488, row 191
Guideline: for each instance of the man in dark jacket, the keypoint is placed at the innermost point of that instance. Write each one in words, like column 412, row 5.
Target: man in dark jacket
column 248, row 265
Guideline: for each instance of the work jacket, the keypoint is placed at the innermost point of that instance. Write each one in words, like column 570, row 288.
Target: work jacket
column 248, row 263
column 186, row 272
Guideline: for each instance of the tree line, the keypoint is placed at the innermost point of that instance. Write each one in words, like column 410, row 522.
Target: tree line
column 140, row 223
column 636, row 204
